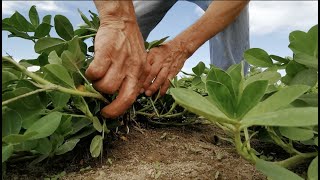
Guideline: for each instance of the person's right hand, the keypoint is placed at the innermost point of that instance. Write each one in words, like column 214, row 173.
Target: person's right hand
column 118, row 63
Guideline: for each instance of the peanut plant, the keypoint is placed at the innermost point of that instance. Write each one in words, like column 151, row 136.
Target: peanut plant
column 49, row 111
column 285, row 107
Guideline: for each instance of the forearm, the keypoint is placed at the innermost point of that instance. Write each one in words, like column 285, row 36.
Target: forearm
column 217, row 17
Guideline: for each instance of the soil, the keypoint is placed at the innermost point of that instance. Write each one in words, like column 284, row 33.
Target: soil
column 189, row 152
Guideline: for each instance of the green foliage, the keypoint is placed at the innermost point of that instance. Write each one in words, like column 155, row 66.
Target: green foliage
column 286, row 104
column 48, row 112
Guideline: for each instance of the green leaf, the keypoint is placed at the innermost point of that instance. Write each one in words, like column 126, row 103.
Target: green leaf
column 96, row 146
column 291, row 117
column 73, row 59
column 46, row 125
column 20, row 23
column 11, row 122
column 33, row 16
column 274, row 171
column 258, row 57
column 199, row 105
column 222, row 97
column 271, row 76
column 86, row 132
column 56, row 140
column 26, row 145
column 296, row 35
column 307, row 60
column 67, row 146
column 63, row 27
column 65, row 128
column 8, row 76
column 59, row 99
column 96, row 124
column 59, row 73
column 70, row 61
column 199, row 68
column 196, row 81
column 85, row 19
column 48, row 44
column 305, row 48
column 79, row 123
column 27, row 107
column 279, row 99
column 18, row 138
column 7, row 151
column 313, row 169
column 311, row 99
column 251, row 96
column 46, row 19
column 44, row 146
column 156, row 42
column 279, row 59
column 296, row 134
column 316, row 141
column 218, row 75
column 292, row 69
column 42, row 30
column 237, row 76
column 307, row 77
column 53, row 58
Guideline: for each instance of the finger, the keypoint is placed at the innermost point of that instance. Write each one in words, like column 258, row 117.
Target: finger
column 155, row 69
column 111, row 82
column 98, row 67
column 147, row 69
column 160, row 79
column 166, row 85
column 127, row 95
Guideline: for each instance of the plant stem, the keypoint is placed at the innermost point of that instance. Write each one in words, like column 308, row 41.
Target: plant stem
column 155, row 109
column 87, row 36
column 287, row 147
column 241, row 149
column 50, row 86
column 246, row 135
column 296, row 160
column 171, row 109
column 22, row 96
column 187, row 73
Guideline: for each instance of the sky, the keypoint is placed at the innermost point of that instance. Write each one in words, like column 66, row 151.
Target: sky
column 270, row 24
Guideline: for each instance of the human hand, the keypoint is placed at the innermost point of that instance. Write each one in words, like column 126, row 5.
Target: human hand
column 166, row 61
column 119, row 61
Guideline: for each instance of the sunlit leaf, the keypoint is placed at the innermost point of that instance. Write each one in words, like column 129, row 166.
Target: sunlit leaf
column 258, row 57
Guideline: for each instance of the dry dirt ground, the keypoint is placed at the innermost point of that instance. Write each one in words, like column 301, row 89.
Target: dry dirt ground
column 175, row 153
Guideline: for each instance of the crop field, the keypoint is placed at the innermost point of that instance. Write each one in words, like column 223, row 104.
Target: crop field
column 211, row 124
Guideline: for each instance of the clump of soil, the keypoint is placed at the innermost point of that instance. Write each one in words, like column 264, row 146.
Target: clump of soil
column 190, row 152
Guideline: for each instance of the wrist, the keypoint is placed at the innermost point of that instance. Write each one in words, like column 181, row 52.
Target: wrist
column 185, row 44
column 115, row 11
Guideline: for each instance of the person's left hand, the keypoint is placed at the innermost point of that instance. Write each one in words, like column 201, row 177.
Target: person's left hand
column 166, row 61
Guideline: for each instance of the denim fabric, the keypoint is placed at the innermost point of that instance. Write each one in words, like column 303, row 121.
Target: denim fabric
column 226, row 48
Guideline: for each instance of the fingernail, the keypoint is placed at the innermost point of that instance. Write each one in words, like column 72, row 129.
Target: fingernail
column 148, row 93
column 141, row 90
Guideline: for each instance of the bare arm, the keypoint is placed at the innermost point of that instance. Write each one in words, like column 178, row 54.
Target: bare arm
column 167, row 60
column 217, row 17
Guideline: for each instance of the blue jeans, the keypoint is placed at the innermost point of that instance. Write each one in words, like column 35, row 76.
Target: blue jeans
column 226, row 48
